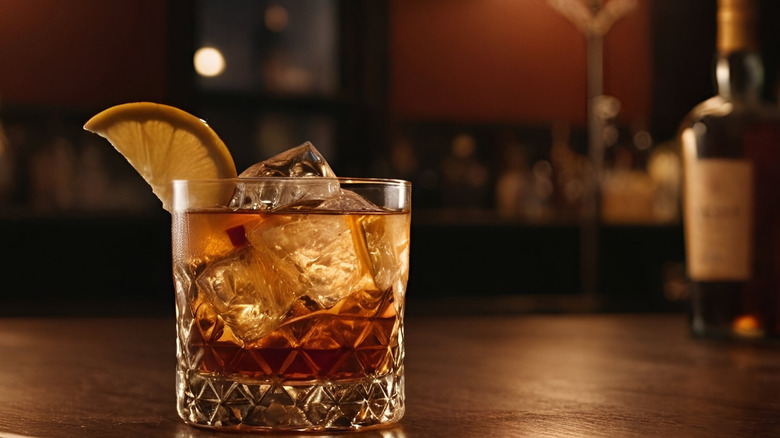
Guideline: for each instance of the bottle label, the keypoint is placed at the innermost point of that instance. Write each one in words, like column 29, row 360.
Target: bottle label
column 719, row 219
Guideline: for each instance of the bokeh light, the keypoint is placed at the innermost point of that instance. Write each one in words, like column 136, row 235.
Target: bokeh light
column 276, row 18
column 209, row 62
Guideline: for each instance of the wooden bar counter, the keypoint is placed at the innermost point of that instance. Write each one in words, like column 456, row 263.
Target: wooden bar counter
column 574, row 375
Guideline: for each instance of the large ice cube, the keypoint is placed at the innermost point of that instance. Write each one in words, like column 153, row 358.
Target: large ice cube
column 247, row 293
column 387, row 242
column 347, row 200
column 304, row 179
column 326, row 253
column 283, row 193
column 301, row 161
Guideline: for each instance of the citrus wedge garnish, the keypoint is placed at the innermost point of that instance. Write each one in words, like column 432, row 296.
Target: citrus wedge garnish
column 163, row 144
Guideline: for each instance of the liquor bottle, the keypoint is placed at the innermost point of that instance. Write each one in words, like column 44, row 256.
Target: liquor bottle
column 731, row 155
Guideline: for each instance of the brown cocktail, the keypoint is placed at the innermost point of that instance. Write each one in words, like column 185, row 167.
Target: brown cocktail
column 292, row 318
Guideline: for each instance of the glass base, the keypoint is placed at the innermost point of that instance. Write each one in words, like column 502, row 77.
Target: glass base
column 726, row 310
column 206, row 400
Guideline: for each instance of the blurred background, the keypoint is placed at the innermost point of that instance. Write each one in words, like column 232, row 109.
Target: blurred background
column 539, row 136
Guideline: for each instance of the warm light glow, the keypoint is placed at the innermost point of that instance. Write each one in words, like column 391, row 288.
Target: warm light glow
column 209, row 62
column 748, row 326
column 276, row 18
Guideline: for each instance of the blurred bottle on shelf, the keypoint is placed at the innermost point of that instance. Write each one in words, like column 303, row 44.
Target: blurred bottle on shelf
column 52, row 171
column 664, row 168
column 641, row 183
column 573, row 172
column 626, row 188
column 731, row 155
column 513, row 182
column 465, row 177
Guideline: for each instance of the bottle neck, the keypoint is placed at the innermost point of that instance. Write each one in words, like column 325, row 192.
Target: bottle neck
column 740, row 76
column 739, row 71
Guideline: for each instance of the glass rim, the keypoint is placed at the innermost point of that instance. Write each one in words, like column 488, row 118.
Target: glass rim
column 270, row 179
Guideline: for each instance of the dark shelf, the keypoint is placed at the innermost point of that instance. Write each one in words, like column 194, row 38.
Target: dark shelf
column 119, row 264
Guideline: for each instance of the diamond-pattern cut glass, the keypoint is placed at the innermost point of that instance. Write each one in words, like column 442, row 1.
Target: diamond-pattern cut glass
column 224, row 385
column 316, row 406
column 292, row 320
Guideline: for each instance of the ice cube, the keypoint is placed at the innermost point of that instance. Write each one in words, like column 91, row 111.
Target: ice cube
column 283, row 193
column 301, row 161
column 249, row 295
column 304, row 179
column 347, row 200
column 387, row 243
column 326, row 253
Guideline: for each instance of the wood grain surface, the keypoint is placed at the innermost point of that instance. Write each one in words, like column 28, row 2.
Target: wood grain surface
column 508, row 376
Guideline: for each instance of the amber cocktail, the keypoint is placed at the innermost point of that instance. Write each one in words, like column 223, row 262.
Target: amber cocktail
column 290, row 302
